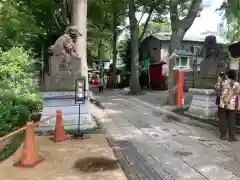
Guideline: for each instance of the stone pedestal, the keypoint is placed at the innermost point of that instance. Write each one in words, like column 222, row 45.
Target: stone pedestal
column 65, row 101
column 203, row 104
column 60, row 78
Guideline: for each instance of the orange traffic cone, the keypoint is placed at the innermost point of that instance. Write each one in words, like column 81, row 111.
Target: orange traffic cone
column 30, row 155
column 60, row 134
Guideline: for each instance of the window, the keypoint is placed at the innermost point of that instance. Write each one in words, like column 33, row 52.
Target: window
column 177, row 62
column 184, row 61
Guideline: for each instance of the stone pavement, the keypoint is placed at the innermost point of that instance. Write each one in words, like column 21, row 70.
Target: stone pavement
column 159, row 147
column 157, row 98
column 88, row 159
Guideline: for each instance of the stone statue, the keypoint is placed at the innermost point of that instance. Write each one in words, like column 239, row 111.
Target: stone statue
column 64, row 63
column 211, row 48
column 64, row 47
column 209, row 65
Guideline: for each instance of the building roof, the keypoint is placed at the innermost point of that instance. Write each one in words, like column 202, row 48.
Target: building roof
column 181, row 52
column 187, row 37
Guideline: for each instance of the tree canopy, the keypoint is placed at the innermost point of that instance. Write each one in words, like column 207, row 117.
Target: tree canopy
column 231, row 8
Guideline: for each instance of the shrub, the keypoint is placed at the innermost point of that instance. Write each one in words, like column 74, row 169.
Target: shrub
column 16, row 70
column 19, row 102
column 15, row 110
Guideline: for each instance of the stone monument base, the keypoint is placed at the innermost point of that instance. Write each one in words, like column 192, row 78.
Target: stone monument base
column 203, row 104
column 65, row 101
column 60, row 78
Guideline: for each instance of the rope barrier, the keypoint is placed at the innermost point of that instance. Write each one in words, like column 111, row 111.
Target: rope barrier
column 25, row 127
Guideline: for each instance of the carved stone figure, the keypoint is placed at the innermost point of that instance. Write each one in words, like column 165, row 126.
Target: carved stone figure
column 64, row 63
column 211, row 47
column 64, row 47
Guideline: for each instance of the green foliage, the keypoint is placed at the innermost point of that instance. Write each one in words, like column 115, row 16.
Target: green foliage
column 12, row 147
column 232, row 15
column 18, row 101
column 157, row 27
column 125, row 53
column 15, row 72
column 16, row 110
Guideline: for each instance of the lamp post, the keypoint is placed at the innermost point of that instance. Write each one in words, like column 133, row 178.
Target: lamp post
column 80, row 97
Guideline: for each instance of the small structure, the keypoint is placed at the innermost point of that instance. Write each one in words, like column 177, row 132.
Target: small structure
column 182, row 63
column 157, row 48
column 182, row 60
column 157, row 80
column 203, row 104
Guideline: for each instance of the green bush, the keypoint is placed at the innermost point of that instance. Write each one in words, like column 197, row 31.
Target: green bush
column 19, row 101
column 15, row 111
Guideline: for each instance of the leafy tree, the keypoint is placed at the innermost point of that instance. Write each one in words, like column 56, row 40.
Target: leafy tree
column 146, row 6
column 156, row 27
column 232, row 15
column 124, row 49
column 17, row 98
column 16, row 70
column 182, row 16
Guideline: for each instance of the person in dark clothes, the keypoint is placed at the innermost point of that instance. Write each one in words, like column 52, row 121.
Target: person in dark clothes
column 101, row 84
column 228, row 105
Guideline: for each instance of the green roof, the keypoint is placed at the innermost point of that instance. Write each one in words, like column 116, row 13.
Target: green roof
column 187, row 37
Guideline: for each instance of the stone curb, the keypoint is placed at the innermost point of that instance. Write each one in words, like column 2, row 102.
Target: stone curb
column 124, row 163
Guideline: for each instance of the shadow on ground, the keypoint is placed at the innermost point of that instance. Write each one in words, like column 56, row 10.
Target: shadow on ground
column 95, row 164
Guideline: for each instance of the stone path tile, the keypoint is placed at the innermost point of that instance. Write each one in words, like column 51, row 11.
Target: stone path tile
column 164, row 148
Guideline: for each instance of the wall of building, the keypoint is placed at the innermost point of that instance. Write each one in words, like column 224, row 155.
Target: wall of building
column 158, row 51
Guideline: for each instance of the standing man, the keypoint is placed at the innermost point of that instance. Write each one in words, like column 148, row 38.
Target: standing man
column 228, row 105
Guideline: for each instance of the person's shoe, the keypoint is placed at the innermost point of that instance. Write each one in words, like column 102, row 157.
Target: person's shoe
column 232, row 139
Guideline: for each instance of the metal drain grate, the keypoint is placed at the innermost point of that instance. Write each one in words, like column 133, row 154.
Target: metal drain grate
column 204, row 140
column 166, row 129
column 180, row 153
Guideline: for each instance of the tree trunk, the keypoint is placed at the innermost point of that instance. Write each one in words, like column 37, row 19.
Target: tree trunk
column 134, row 80
column 114, row 51
column 79, row 19
column 176, row 39
column 179, row 28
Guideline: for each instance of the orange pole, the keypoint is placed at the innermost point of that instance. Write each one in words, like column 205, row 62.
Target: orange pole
column 180, row 88
column 25, row 127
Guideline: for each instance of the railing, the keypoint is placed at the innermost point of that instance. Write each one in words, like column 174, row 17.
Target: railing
column 24, row 128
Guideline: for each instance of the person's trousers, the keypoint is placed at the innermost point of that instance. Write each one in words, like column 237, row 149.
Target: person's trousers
column 227, row 119
column 100, row 89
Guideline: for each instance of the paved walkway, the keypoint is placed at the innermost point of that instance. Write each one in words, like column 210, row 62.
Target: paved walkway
column 162, row 148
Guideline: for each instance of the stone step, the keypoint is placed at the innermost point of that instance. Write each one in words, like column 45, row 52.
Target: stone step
column 59, row 102
column 65, row 102
column 70, row 122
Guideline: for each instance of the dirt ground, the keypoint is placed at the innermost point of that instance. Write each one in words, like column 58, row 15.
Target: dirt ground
column 88, row 159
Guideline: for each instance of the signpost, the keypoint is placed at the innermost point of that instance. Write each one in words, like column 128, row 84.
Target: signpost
column 80, row 98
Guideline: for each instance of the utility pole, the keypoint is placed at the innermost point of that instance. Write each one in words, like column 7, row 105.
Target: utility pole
column 79, row 19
